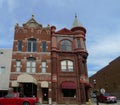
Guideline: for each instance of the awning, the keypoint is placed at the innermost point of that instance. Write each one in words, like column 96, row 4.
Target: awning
column 26, row 78
column 15, row 84
column 44, row 84
column 68, row 85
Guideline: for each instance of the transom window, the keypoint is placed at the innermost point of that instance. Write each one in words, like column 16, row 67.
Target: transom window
column 67, row 65
column 66, row 45
column 31, row 65
column 31, row 45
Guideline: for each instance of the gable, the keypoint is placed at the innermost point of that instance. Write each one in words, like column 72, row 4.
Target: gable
column 32, row 23
column 64, row 31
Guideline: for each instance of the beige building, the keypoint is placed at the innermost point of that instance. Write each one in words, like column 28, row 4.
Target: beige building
column 5, row 65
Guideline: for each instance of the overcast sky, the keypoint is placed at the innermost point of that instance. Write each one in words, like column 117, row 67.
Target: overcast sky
column 101, row 18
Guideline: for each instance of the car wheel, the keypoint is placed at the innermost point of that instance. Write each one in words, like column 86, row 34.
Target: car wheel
column 26, row 103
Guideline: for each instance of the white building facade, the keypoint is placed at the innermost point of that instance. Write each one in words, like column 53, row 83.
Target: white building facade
column 5, row 66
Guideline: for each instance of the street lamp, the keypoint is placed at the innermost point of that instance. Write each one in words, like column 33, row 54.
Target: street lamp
column 95, row 90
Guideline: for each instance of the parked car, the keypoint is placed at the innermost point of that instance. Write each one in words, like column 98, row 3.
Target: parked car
column 107, row 98
column 15, row 99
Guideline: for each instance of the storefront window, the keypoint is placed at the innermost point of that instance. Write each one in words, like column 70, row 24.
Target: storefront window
column 69, row 92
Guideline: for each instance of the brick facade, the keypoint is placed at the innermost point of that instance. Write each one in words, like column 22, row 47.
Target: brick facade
column 109, row 78
column 49, row 83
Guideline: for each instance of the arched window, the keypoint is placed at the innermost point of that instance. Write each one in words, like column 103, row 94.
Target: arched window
column 66, row 45
column 67, row 65
column 31, row 45
column 31, row 65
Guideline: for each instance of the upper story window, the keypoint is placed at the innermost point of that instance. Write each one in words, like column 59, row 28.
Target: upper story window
column 67, row 65
column 31, row 65
column 19, row 45
column 43, row 67
column 78, row 43
column 44, row 46
column 66, row 45
column 31, row 45
column 2, row 69
column 18, row 65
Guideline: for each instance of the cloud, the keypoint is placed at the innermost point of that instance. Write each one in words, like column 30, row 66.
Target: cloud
column 103, row 50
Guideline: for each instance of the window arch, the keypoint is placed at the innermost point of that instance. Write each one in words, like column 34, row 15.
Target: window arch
column 31, row 45
column 67, row 65
column 31, row 65
column 66, row 45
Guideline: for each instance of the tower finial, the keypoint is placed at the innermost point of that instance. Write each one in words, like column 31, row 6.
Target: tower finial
column 32, row 16
column 75, row 15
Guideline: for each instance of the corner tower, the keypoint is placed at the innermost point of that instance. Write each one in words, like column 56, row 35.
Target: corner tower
column 69, row 68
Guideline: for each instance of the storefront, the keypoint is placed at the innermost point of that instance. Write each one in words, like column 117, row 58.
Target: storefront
column 26, row 85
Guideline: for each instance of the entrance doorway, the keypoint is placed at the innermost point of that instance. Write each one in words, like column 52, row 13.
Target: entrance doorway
column 45, row 95
column 28, row 90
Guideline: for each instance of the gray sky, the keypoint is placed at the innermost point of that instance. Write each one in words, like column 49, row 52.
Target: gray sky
column 101, row 18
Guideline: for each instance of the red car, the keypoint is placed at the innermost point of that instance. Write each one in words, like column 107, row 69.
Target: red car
column 15, row 99
column 107, row 98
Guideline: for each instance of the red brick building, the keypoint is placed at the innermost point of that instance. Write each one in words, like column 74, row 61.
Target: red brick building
column 50, row 64
column 109, row 78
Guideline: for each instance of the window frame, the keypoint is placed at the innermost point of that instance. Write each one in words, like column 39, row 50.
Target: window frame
column 66, row 45
column 31, row 45
column 43, row 67
column 78, row 43
column 18, row 67
column 68, row 67
column 19, row 45
column 44, row 44
column 30, row 68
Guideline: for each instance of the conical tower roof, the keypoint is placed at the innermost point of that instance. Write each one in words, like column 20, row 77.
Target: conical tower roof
column 76, row 23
